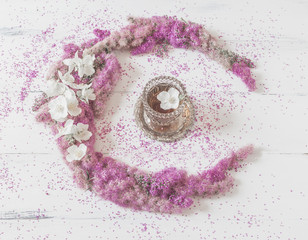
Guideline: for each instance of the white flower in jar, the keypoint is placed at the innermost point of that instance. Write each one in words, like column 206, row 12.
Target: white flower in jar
column 169, row 100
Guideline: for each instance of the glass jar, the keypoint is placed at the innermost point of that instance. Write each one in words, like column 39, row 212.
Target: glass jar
column 169, row 121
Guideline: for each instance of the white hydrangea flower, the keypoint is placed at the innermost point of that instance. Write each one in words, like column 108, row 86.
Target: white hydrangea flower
column 54, row 88
column 63, row 105
column 72, row 63
column 67, row 78
column 83, row 65
column 80, row 132
column 86, row 94
column 76, row 152
column 58, row 108
column 72, row 103
column 67, row 129
column 169, row 100
column 86, row 65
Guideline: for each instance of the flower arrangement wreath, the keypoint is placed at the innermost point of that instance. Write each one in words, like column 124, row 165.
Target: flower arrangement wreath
column 78, row 87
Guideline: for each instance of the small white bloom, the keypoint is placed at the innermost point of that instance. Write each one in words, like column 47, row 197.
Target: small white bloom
column 72, row 103
column 58, row 108
column 63, row 105
column 80, row 132
column 86, row 94
column 54, row 88
column 86, row 65
column 67, row 78
column 72, row 63
column 83, row 65
column 67, row 129
column 76, row 153
column 170, row 99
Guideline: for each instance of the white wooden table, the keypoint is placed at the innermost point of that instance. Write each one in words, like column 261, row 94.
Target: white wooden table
column 38, row 199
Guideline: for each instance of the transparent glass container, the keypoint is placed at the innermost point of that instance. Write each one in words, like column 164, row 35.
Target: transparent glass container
column 160, row 124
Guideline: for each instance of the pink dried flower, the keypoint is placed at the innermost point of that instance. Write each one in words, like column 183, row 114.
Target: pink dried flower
column 101, row 34
column 145, row 47
column 244, row 152
column 242, row 70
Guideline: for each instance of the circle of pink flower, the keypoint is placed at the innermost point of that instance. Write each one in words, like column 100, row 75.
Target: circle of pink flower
column 170, row 190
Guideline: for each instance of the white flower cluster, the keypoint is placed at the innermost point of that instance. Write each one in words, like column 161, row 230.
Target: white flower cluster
column 65, row 102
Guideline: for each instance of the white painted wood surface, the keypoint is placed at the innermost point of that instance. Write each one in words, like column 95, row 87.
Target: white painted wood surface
column 38, row 199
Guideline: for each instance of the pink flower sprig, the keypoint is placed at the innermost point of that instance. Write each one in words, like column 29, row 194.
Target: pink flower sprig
column 169, row 190
column 242, row 70
column 143, row 34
